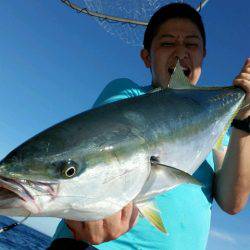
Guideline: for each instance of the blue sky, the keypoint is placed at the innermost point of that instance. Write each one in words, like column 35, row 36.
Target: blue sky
column 54, row 63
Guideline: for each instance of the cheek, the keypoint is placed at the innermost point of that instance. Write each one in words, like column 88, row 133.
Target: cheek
column 196, row 75
column 159, row 61
column 197, row 57
column 197, row 63
column 154, row 64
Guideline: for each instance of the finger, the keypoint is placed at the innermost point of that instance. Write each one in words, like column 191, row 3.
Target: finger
column 247, row 62
column 119, row 223
column 246, row 66
column 93, row 232
column 130, row 215
column 113, row 226
column 243, row 83
column 246, row 69
column 127, row 212
column 134, row 217
column 244, row 75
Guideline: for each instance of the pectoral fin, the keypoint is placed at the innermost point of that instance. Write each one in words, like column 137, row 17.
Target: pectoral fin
column 178, row 175
column 163, row 178
column 152, row 214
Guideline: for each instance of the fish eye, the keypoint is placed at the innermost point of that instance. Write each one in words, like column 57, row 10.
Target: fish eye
column 69, row 169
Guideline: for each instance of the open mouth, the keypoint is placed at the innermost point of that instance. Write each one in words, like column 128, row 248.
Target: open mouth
column 16, row 188
column 6, row 194
column 11, row 189
column 186, row 71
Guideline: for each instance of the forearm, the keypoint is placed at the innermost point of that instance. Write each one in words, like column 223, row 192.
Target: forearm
column 232, row 180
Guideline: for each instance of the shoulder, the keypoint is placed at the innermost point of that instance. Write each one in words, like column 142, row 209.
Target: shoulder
column 121, row 85
column 118, row 89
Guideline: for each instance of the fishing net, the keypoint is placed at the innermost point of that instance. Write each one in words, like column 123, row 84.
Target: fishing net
column 125, row 19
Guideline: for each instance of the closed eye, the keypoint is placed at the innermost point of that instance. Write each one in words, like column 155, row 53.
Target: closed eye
column 167, row 44
column 191, row 45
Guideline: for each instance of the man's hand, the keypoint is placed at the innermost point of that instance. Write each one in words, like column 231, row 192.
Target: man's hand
column 96, row 232
column 243, row 81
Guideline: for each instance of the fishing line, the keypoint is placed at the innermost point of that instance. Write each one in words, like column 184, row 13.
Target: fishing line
column 7, row 228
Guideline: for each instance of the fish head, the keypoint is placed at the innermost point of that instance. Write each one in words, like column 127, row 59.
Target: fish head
column 39, row 172
column 47, row 187
column 55, row 173
column 44, row 168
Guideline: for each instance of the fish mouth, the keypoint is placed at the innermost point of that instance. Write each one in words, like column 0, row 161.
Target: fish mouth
column 6, row 195
column 22, row 190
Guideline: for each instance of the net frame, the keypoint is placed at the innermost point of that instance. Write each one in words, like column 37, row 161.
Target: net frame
column 104, row 16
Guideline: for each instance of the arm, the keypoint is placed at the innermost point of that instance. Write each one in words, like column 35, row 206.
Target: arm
column 232, row 179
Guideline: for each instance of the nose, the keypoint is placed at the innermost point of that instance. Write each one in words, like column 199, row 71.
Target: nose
column 181, row 52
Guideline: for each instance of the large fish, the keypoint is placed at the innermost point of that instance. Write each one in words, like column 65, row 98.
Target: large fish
column 91, row 165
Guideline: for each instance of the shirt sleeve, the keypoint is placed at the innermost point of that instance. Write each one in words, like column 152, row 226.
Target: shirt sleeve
column 116, row 90
column 62, row 231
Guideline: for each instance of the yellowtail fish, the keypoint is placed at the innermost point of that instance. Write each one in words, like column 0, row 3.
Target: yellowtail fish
column 91, row 165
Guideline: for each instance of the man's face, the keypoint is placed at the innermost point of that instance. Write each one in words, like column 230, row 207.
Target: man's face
column 176, row 39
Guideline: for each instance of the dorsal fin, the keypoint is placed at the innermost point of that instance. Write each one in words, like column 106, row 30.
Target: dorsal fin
column 178, row 79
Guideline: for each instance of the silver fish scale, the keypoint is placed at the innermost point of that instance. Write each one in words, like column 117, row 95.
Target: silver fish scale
column 113, row 145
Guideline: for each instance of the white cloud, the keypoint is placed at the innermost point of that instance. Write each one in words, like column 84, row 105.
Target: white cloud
column 222, row 235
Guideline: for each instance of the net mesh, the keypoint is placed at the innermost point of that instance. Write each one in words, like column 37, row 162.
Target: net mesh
column 139, row 10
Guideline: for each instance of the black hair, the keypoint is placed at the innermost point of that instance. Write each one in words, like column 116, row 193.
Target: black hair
column 170, row 11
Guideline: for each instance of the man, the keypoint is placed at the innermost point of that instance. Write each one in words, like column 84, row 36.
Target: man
column 176, row 32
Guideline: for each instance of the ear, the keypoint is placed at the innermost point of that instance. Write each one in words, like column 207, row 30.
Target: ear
column 145, row 56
